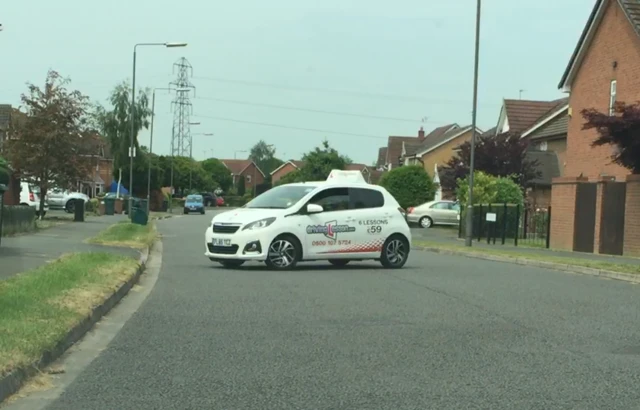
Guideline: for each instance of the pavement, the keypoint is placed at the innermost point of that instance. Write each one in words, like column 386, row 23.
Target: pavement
column 445, row 332
column 25, row 252
column 449, row 236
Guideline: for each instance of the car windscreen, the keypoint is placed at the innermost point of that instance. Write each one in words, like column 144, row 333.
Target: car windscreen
column 194, row 199
column 280, row 197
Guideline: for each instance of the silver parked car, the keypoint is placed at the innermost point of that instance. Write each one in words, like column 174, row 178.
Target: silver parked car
column 435, row 213
column 64, row 199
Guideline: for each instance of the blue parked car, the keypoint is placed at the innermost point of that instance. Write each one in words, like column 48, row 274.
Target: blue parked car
column 194, row 203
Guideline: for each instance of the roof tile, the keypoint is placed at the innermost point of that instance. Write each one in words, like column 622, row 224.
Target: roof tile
column 522, row 114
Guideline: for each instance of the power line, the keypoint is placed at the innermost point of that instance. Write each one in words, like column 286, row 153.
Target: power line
column 283, row 107
column 360, row 94
column 287, row 127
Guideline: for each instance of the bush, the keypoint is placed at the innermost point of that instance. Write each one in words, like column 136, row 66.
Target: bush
column 18, row 219
column 236, row 201
column 488, row 189
column 93, row 205
column 410, row 185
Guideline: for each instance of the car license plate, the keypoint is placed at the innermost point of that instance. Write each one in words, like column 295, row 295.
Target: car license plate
column 221, row 242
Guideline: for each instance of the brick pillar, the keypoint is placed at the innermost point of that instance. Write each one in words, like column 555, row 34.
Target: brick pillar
column 632, row 217
column 563, row 207
column 600, row 192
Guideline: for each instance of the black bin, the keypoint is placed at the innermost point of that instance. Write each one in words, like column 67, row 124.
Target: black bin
column 78, row 210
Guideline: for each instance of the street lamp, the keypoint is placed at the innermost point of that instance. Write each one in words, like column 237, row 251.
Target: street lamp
column 153, row 115
column 469, row 230
column 133, row 105
column 235, row 153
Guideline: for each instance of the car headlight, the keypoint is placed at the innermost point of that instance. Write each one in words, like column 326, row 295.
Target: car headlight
column 262, row 223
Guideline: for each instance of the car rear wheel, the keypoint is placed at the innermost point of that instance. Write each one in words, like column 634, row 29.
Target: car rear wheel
column 426, row 222
column 284, row 253
column 339, row 262
column 70, row 206
column 230, row 264
column 395, row 252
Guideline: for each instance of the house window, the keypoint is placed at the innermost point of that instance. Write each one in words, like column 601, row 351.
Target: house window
column 542, row 146
column 612, row 96
column 249, row 178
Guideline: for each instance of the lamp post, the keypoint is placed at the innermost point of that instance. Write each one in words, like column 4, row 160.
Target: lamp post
column 469, row 226
column 153, row 115
column 235, row 153
column 191, row 154
column 133, row 105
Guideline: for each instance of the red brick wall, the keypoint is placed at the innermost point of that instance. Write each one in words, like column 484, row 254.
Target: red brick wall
column 282, row 172
column 616, row 41
column 599, row 199
column 563, row 204
column 632, row 217
column 256, row 177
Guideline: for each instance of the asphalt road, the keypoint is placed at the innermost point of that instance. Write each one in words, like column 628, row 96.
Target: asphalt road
column 443, row 333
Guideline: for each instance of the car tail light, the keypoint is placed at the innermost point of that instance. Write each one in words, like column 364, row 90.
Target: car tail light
column 410, row 210
column 32, row 197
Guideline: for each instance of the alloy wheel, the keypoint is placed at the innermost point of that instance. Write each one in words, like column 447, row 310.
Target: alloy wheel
column 282, row 253
column 396, row 252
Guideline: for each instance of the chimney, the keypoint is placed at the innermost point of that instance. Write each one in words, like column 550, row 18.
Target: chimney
column 421, row 134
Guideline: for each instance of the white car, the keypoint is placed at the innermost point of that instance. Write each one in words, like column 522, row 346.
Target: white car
column 340, row 220
column 30, row 196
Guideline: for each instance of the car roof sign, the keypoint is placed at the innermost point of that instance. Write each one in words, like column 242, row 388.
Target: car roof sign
column 338, row 175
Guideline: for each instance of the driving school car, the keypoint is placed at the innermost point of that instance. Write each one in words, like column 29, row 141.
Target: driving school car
column 341, row 219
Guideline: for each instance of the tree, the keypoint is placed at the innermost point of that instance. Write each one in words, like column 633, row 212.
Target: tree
column 218, row 172
column 199, row 179
column 264, row 157
column 51, row 143
column 240, row 188
column 291, row 177
column 621, row 131
column 319, row 163
column 5, row 172
column 500, row 155
column 410, row 185
column 489, row 189
column 115, row 125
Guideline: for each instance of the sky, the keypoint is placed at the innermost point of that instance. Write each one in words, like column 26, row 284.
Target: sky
column 293, row 72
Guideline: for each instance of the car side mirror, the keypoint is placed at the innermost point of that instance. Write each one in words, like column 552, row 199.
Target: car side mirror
column 314, row 209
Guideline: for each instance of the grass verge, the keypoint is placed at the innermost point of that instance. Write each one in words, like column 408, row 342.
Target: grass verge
column 126, row 234
column 547, row 257
column 41, row 306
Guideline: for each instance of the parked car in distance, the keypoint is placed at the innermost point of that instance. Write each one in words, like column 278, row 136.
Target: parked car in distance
column 219, row 201
column 194, row 203
column 64, row 199
column 30, row 196
column 209, row 199
column 435, row 213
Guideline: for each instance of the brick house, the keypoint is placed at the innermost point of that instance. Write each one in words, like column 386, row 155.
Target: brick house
column 253, row 175
column 101, row 175
column 547, row 145
column 602, row 70
column 394, row 150
column 595, row 205
column 284, row 169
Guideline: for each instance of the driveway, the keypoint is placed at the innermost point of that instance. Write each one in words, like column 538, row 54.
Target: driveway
column 443, row 333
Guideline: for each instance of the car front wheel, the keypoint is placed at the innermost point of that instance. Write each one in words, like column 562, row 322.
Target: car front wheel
column 284, row 253
column 395, row 252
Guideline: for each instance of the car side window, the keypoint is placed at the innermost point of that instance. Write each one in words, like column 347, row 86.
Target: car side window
column 440, row 205
column 362, row 198
column 455, row 207
column 332, row 199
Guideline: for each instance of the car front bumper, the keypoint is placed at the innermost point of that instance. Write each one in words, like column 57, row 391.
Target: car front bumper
column 244, row 245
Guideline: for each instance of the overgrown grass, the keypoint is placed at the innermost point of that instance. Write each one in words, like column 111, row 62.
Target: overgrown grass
column 126, row 234
column 546, row 257
column 39, row 307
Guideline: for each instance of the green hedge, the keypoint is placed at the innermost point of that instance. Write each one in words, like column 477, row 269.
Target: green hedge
column 18, row 219
column 236, row 201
